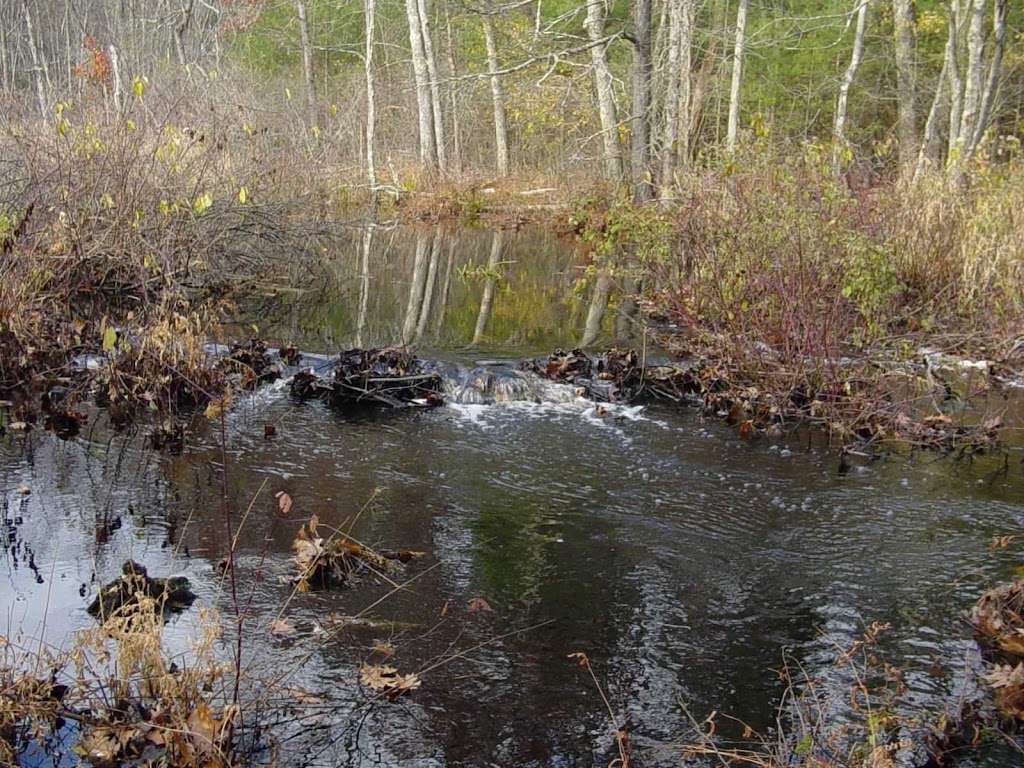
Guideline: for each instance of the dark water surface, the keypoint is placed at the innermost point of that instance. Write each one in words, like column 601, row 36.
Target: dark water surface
column 684, row 561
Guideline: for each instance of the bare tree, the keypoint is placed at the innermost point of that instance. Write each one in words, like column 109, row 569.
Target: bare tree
column 994, row 72
column 428, row 148
column 435, row 84
column 671, row 110
column 737, row 77
column 487, row 300
column 642, row 72
column 605, row 95
column 307, row 59
column 497, row 97
column 906, row 81
column 38, row 63
column 839, row 127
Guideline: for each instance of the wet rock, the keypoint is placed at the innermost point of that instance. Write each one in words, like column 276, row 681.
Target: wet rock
column 173, row 593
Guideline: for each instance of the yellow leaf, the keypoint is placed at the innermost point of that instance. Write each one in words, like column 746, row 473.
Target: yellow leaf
column 109, row 339
column 243, row 195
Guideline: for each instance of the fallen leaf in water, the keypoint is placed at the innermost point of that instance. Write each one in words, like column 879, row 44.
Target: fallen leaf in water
column 269, row 430
column 479, row 604
column 1002, row 542
column 388, row 680
column 284, row 502
column 383, row 648
column 282, row 627
column 18, row 426
column 23, row 489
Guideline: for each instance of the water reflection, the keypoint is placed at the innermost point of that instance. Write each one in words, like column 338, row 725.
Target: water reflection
column 502, row 291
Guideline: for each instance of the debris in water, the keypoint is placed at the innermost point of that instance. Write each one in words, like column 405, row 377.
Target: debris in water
column 392, row 377
column 332, row 561
column 998, row 617
column 173, row 593
column 387, row 680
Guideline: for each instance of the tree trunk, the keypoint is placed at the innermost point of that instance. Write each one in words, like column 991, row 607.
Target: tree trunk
column 453, row 108
column 931, row 125
column 972, row 86
column 839, row 128
column 956, row 86
column 428, row 151
column 36, row 62
column 605, row 95
column 906, row 85
column 641, row 139
column 737, row 77
column 671, row 111
column 994, row 72
column 685, row 76
column 369, row 12
column 497, row 98
column 435, row 84
column 307, row 60
column 598, row 305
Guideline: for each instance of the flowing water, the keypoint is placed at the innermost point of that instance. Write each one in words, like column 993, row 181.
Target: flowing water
column 685, row 562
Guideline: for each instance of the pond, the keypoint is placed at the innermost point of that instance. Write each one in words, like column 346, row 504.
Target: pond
column 685, row 562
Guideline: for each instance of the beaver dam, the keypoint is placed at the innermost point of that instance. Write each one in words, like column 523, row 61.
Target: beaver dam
column 405, row 586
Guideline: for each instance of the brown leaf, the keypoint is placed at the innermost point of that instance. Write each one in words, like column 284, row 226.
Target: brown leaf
column 479, row 604
column 388, row 680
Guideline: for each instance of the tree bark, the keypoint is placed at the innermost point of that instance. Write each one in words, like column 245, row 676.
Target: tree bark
column 972, row 84
column 641, row 139
column 453, row 108
column 994, row 72
column 435, row 84
column 956, row 86
column 598, row 305
column 497, row 98
column 670, row 132
column 737, row 77
column 37, row 65
column 307, row 60
column 428, row 150
column 931, row 125
column 605, row 96
column 685, row 129
column 416, row 285
column 369, row 13
column 906, row 82
column 839, row 128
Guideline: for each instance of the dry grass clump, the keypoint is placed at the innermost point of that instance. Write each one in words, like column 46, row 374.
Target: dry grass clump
column 130, row 701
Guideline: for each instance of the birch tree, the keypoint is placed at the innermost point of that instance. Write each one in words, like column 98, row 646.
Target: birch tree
column 612, row 154
column 994, row 72
column 671, row 111
column 737, row 77
column 972, row 77
column 421, row 77
column 434, row 83
column 839, row 126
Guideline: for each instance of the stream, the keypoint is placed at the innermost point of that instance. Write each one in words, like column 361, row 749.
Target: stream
column 685, row 562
